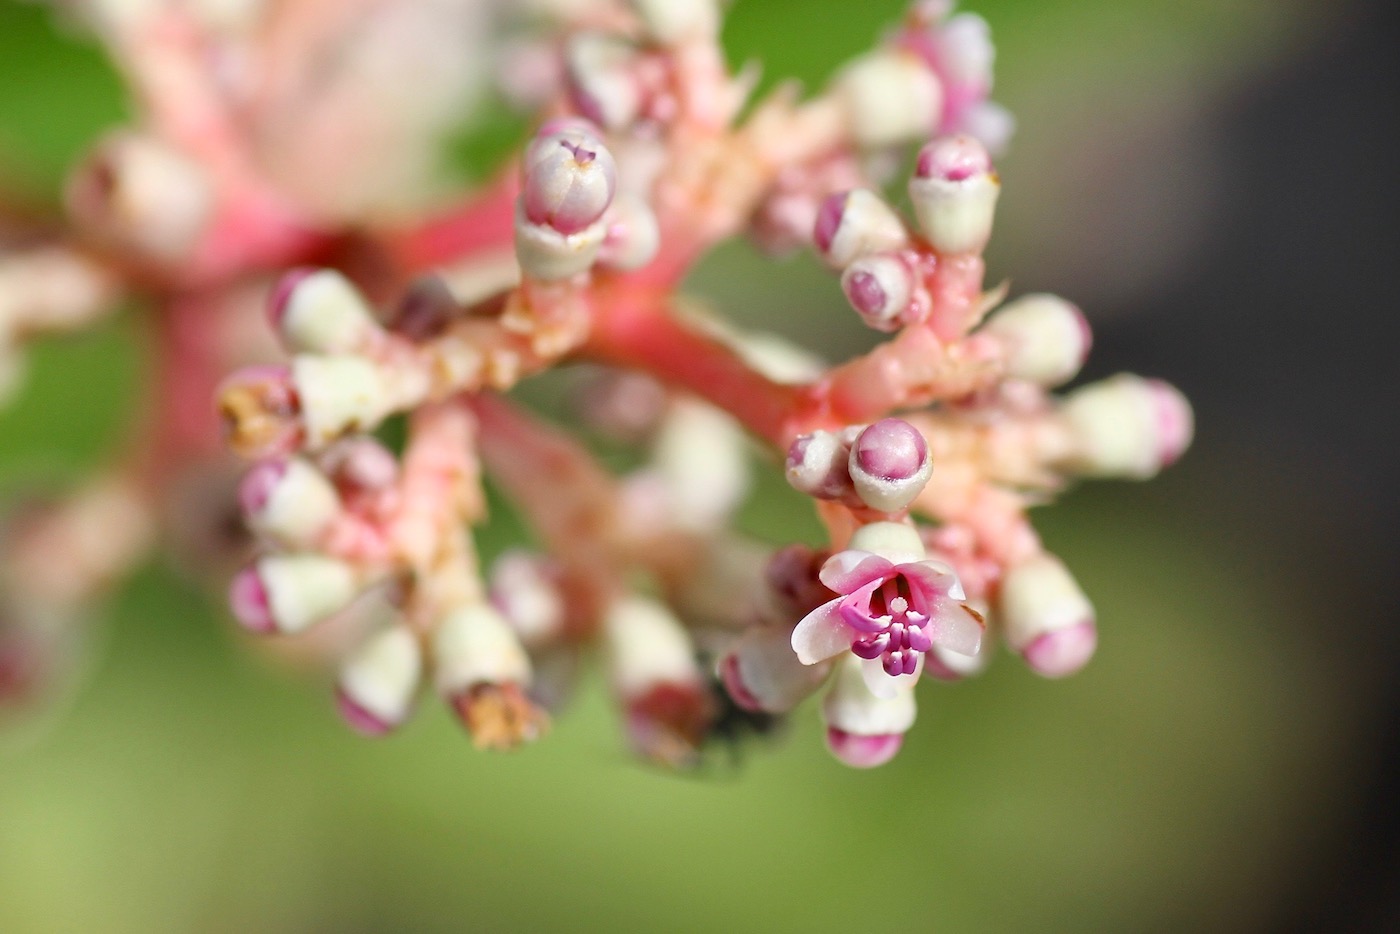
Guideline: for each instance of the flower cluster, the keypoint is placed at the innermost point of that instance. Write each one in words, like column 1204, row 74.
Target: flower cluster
column 921, row 456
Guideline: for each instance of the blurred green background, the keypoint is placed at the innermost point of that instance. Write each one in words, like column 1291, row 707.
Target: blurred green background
column 1188, row 780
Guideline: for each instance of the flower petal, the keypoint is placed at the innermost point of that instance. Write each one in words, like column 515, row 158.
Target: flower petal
column 935, row 578
column 821, row 634
column 885, row 686
column 851, row 569
column 957, row 629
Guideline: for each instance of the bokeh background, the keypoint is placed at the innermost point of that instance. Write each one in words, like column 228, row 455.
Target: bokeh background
column 1214, row 181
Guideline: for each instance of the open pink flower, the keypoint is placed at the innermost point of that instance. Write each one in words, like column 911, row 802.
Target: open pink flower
column 888, row 614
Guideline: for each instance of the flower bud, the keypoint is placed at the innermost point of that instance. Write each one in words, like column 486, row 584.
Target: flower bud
column 954, row 192
column 285, row 594
column 144, row 195
column 319, row 311
column 1045, row 339
column 652, row 668
column 547, row 255
column 879, row 288
column 890, row 97
column 701, row 455
column 792, row 574
column 339, row 395
column 896, row 542
column 863, row 730
column 601, row 81
column 889, row 464
column 670, row 22
column 762, row 673
column 361, row 463
column 633, row 236
column 288, row 500
column 524, row 587
column 818, row 464
column 851, row 224
column 570, row 179
column 1127, row 426
column 475, row 645
column 378, row 683
column 1046, row 617
column 425, row 309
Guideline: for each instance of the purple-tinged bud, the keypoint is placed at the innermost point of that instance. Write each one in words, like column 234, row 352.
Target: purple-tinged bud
column 1045, row 339
column 525, row 588
column 288, row 500
column 879, row 288
column 1046, row 617
column 890, row 97
column 138, row 192
column 863, row 752
column 287, row 593
column 818, row 465
column 261, row 411
column 851, row 224
column 1127, row 426
column 319, row 311
column 863, row 730
column 601, row 80
column 633, row 236
column 339, row 395
column 570, row 180
column 889, row 464
column 425, row 309
column 670, row 22
column 360, row 463
column 378, row 682
column 761, row 672
column 954, row 193
column 793, row 575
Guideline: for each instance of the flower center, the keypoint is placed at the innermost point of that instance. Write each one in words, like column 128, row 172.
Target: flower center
column 893, row 627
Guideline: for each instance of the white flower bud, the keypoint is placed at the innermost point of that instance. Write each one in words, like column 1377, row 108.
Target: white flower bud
column 646, row 645
column 286, row 593
column 1046, row 617
column 633, row 236
column 702, row 458
column 289, row 501
column 546, row 254
column 319, row 311
column 762, row 673
column 954, row 193
column 339, row 395
column 378, row 682
column 890, row 97
column 1045, row 338
column 863, row 730
column 528, row 597
column 1127, row 426
column 896, row 542
column 879, row 287
column 669, row 22
column 475, row 645
column 851, row 224
column 601, row 81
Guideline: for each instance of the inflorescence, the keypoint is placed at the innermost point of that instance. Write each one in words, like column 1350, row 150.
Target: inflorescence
column 268, row 141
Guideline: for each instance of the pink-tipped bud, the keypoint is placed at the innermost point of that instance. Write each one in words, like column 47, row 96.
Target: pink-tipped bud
column 570, row 179
column 288, row 593
column 851, row 224
column 954, row 193
column 261, row 411
column 1044, row 338
column 319, row 311
column 1046, row 617
column 525, row 588
column 818, row 464
column 602, row 83
column 288, row 500
column 879, row 288
column 633, row 236
column 792, row 573
column 379, row 681
column 889, row 464
column 761, row 672
column 863, row 752
column 1127, row 426
column 890, row 97
column 360, row 464
column 141, row 194
column 863, row 730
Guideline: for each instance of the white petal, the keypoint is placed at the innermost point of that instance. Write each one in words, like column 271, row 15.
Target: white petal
column 851, row 569
column 821, row 634
column 957, row 630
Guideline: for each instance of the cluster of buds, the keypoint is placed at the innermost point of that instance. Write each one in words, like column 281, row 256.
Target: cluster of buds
column 921, row 456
